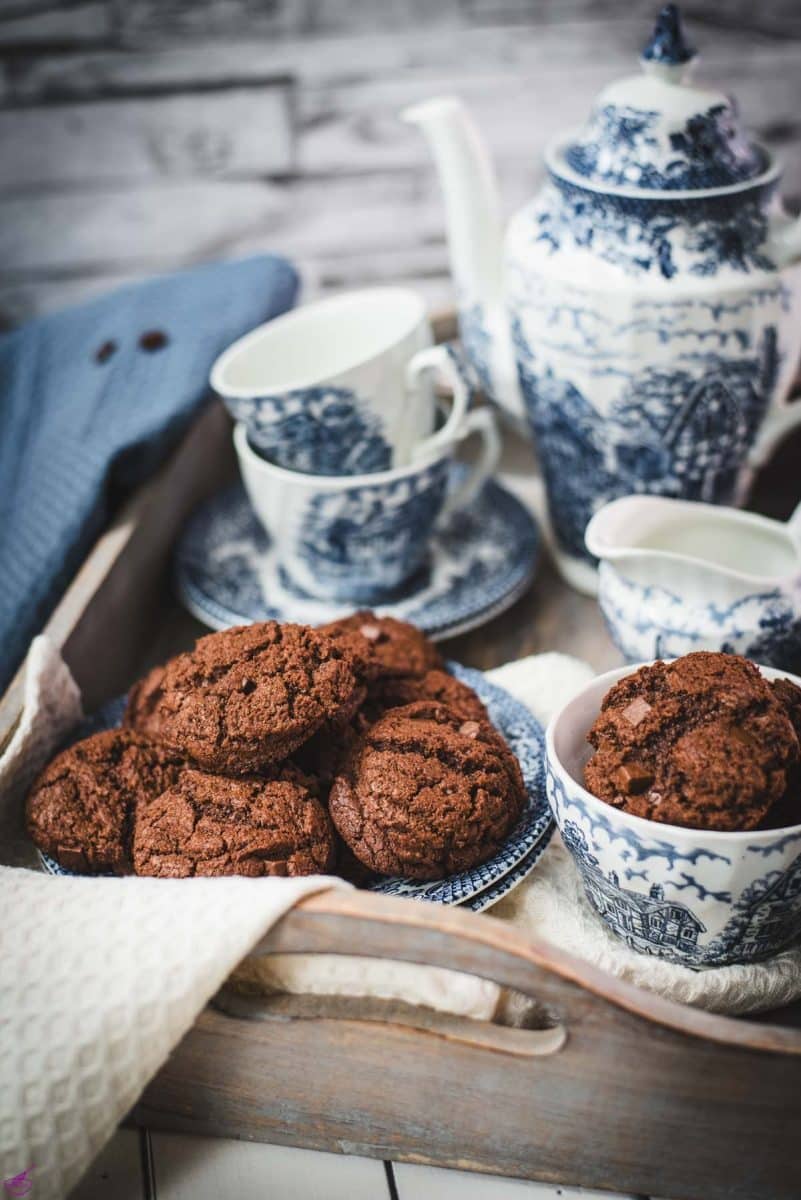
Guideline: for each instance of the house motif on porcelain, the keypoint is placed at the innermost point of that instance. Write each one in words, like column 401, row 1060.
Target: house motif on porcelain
column 765, row 916
column 649, row 923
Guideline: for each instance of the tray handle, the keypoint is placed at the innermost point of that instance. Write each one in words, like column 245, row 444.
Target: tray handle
column 538, row 1041
column 373, row 926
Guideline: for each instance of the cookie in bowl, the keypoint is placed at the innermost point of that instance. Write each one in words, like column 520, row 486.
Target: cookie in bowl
column 702, row 741
column 691, row 848
column 425, row 793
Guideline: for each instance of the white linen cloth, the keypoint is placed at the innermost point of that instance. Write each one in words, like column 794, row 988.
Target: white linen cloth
column 100, row 978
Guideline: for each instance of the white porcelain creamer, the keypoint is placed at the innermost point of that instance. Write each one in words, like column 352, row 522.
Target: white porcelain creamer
column 677, row 576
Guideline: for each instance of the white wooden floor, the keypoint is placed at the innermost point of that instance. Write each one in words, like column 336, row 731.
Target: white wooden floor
column 160, row 1166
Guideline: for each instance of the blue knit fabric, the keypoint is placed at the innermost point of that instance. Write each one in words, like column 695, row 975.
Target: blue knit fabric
column 76, row 433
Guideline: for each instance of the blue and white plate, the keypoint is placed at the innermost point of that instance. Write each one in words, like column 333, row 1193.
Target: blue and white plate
column 519, row 853
column 481, row 561
column 510, row 881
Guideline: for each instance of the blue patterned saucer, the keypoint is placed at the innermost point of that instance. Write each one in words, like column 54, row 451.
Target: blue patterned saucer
column 522, row 848
column 507, row 883
column 480, row 563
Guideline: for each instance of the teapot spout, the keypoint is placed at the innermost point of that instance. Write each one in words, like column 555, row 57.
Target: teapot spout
column 475, row 240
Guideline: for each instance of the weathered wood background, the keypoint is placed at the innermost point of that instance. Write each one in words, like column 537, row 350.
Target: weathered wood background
column 140, row 135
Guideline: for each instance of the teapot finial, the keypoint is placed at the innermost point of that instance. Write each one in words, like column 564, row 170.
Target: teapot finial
column 667, row 50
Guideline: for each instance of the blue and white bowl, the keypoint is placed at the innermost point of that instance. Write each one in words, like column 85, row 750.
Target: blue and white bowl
column 692, row 896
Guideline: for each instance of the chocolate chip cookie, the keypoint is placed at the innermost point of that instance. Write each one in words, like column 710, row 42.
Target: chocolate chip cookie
column 425, row 793
column 246, row 697
column 211, row 825
column 396, row 691
column 80, row 810
column 383, row 646
column 703, row 742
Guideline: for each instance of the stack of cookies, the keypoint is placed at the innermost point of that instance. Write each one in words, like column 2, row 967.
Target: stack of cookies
column 277, row 749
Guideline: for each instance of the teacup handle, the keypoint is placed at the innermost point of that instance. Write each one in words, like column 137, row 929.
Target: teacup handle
column 439, row 359
column 481, row 421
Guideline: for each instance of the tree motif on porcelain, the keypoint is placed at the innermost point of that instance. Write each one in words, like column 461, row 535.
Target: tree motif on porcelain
column 669, row 432
column 366, row 540
column 621, row 149
column 643, row 236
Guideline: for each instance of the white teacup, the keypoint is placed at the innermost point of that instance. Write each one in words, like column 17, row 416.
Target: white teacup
column 358, row 538
column 344, row 386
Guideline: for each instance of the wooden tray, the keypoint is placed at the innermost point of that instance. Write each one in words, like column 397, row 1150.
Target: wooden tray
column 615, row 1088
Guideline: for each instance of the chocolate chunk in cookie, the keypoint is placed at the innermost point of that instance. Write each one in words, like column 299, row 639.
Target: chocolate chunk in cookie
column 384, row 646
column 246, row 697
column 702, row 742
column 80, row 809
column 425, row 793
column 212, row 825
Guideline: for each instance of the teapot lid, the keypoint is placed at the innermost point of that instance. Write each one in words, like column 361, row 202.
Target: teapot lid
column 658, row 132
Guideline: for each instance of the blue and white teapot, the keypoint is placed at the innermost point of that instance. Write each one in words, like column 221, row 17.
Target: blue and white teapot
column 644, row 310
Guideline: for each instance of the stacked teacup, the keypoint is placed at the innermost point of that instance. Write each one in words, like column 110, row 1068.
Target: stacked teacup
column 345, row 451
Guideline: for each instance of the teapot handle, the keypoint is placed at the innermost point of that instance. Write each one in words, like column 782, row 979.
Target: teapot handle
column 784, row 248
column 784, row 239
column 794, row 523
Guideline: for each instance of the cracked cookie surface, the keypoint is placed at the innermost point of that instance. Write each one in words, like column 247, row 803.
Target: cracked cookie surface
column 212, row 825
column 439, row 686
column 425, row 793
column 384, row 646
column 246, row 697
column 80, row 809
column 703, row 742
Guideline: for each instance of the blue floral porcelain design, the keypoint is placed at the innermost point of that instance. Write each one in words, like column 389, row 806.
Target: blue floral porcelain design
column 519, row 853
column 317, row 430
column 477, row 345
column 649, row 237
column 646, row 237
column 358, row 543
column 683, row 431
column 664, row 148
column 678, row 897
column 479, row 563
column 619, row 149
column 647, row 621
